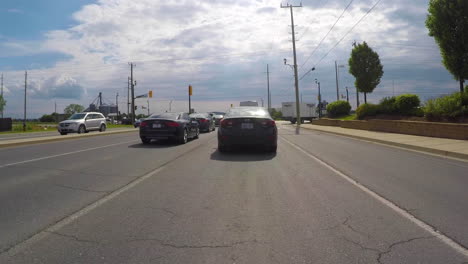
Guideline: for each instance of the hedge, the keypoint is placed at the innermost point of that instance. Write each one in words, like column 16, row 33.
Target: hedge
column 338, row 108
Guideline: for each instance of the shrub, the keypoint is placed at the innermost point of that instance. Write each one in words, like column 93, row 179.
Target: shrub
column 405, row 103
column 366, row 110
column 447, row 107
column 388, row 106
column 338, row 108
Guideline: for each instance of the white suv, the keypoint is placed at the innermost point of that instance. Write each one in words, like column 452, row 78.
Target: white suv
column 82, row 123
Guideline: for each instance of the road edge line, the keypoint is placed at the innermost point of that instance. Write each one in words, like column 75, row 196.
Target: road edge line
column 426, row 150
column 420, row 223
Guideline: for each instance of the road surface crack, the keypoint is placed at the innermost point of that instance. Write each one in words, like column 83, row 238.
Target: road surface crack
column 350, row 227
column 75, row 238
column 187, row 246
column 390, row 248
column 80, row 189
column 380, row 253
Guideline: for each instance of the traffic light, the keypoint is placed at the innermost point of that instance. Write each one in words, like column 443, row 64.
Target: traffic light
column 150, row 94
column 190, row 90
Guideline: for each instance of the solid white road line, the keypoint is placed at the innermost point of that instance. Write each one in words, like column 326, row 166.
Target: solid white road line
column 445, row 239
column 64, row 154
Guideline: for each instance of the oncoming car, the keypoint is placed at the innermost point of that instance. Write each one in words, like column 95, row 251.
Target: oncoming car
column 175, row 126
column 247, row 126
column 83, row 123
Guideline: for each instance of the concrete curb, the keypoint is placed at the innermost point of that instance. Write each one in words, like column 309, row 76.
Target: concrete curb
column 445, row 153
column 30, row 141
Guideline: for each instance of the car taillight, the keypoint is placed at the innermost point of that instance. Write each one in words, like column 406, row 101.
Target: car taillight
column 226, row 123
column 203, row 120
column 268, row 123
column 172, row 124
column 143, row 124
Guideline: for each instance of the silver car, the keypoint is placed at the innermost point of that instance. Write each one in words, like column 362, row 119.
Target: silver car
column 83, row 123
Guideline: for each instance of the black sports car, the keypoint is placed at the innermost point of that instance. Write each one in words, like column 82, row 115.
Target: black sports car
column 247, row 126
column 206, row 121
column 176, row 126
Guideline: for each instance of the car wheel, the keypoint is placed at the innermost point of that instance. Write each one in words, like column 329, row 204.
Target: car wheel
column 183, row 138
column 81, row 129
column 102, row 128
column 145, row 140
column 63, row 133
column 293, row 121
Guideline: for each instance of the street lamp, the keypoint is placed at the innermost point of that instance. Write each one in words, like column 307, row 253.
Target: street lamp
column 319, row 99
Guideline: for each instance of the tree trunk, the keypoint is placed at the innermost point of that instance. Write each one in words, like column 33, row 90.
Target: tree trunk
column 462, row 81
column 365, row 98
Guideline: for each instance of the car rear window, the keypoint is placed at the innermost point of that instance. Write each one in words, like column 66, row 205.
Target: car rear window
column 248, row 111
column 166, row 116
column 199, row 115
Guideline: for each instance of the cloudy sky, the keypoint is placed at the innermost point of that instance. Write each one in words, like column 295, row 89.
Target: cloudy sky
column 73, row 50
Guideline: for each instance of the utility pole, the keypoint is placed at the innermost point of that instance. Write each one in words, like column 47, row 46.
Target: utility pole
column 319, row 99
column 268, row 90
column 25, row 87
column 170, row 106
column 296, row 81
column 117, row 104
column 393, row 87
column 148, row 107
column 132, row 85
column 128, row 96
column 336, row 74
column 1, row 93
column 190, row 99
column 347, row 95
column 301, row 97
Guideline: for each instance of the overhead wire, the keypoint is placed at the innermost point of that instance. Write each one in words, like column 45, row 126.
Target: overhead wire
column 344, row 36
column 326, row 35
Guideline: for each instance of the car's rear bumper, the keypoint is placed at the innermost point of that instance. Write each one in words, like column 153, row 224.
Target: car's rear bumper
column 155, row 135
column 267, row 140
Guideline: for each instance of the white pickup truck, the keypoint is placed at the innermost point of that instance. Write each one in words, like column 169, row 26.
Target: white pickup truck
column 308, row 111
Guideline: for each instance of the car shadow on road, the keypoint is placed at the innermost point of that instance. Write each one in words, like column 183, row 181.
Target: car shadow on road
column 243, row 154
column 156, row 144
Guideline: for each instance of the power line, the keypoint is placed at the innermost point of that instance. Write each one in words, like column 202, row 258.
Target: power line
column 321, row 41
column 349, row 31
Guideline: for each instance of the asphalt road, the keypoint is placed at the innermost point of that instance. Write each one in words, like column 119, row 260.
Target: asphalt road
column 320, row 199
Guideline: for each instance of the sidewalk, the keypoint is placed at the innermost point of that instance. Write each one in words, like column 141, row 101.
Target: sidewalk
column 440, row 146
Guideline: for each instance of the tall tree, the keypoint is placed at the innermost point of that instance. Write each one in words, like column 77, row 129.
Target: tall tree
column 448, row 24
column 365, row 66
column 73, row 108
column 2, row 103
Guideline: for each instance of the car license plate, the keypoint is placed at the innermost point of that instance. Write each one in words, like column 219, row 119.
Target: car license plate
column 247, row 126
column 157, row 125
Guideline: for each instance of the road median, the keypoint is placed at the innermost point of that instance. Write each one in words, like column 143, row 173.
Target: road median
column 46, row 139
column 440, row 146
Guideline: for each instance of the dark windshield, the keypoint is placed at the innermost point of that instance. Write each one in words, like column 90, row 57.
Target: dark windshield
column 248, row 111
column 77, row 116
column 199, row 115
column 166, row 116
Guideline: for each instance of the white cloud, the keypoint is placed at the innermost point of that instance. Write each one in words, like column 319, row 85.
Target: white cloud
column 62, row 87
column 223, row 46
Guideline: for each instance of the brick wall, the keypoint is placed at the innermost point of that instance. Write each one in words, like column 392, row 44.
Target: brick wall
column 430, row 129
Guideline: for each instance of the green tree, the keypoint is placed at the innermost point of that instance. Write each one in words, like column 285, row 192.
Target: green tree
column 73, row 108
column 2, row 103
column 365, row 66
column 447, row 22
column 47, row 118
